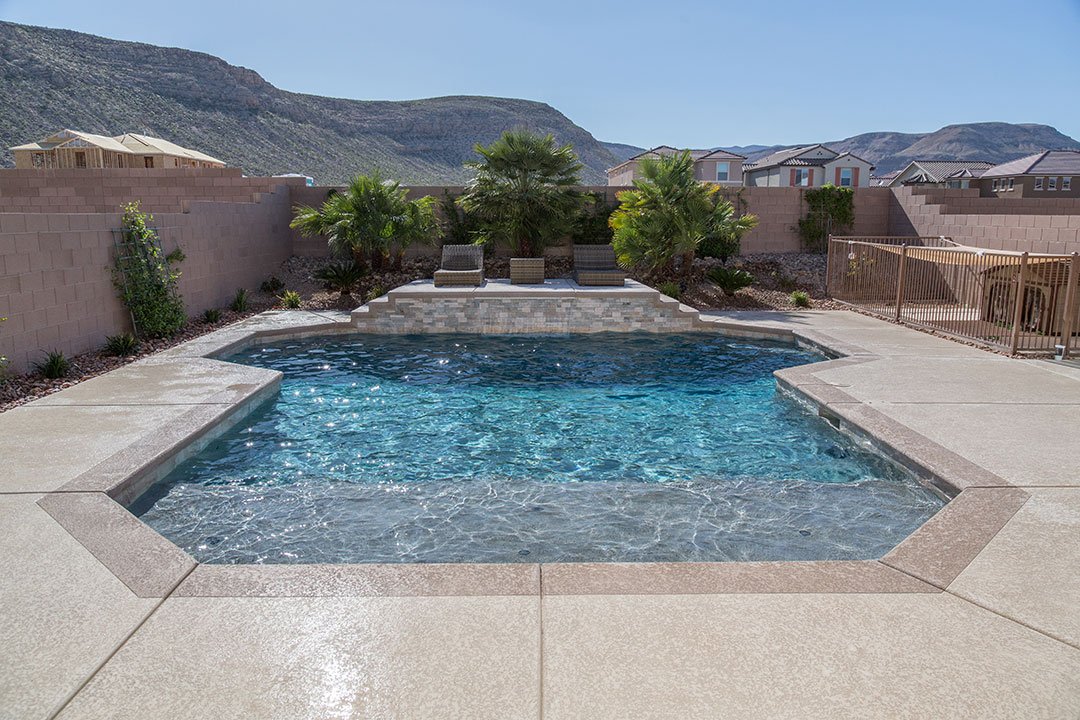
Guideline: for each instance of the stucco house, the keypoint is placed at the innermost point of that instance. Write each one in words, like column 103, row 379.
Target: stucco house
column 810, row 166
column 75, row 149
column 940, row 173
column 1048, row 174
column 718, row 167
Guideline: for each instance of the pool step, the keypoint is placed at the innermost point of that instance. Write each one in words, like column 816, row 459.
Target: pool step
column 557, row 307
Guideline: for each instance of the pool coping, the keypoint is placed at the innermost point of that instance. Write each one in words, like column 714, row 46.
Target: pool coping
column 91, row 507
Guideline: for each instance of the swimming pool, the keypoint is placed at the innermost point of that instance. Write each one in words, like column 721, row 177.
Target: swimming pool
column 462, row 448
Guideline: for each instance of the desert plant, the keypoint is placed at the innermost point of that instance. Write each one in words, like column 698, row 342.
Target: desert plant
column 800, row 299
column 147, row 285
column 340, row 276
column 417, row 224
column 290, row 299
column 669, row 214
column 240, row 301
column 731, row 280
column 211, row 315
column 670, row 288
column 272, row 285
column 462, row 228
column 121, row 345
column 3, row 360
column 375, row 292
column 366, row 218
column 829, row 210
column 55, row 365
column 592, row 226
column 785, row 281
column 524, row 192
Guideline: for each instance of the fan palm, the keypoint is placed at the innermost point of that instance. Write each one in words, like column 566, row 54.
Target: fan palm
column 366, row 218
column 669, row 214
column 525, row 191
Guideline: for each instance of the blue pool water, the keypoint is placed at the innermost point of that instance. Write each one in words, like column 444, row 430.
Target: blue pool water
column 460, row 448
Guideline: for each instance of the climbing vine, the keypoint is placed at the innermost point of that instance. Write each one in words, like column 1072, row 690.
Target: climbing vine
column 147, row 285
column 830, row 210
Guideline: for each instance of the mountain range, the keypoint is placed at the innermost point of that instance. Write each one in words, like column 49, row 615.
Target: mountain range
column 53, row 79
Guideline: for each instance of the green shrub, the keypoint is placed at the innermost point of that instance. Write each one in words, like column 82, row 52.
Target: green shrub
column 461, row 228
column 272, row 286
column 731, row 280
column 55, row 365
column 800, row 299
column 147, row 285
column 290, row 299
column 592, row 226
column 670, row 288
column 786, row 282
column 3, row 360
column 830, row 210
column 375, row 292
column 342, row 276
column 121, row 345
column 240, row 301
column 211, row 316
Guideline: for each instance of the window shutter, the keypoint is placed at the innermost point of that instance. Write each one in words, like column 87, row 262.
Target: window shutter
column 837, row 182
column 792, row 183
column 855, row 177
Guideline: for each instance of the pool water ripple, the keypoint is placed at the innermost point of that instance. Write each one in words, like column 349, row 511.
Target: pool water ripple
column 628, row 447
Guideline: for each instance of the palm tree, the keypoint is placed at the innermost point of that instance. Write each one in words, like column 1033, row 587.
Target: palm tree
column 669, row 214
column 366, row 218
column 417, row 224
column 525, row 191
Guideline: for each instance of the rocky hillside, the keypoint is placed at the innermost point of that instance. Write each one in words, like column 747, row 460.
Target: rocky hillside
column 991, row 141
column 52, row 79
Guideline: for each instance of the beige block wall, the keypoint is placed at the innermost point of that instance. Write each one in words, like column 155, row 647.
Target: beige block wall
column 106, row 191
column 1021, row 224
column 779, row 211
column 56, row 269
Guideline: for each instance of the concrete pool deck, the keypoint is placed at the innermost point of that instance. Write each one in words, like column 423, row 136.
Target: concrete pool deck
column 976, row 615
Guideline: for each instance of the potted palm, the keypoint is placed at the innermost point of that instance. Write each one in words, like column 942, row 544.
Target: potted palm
column 525, row 194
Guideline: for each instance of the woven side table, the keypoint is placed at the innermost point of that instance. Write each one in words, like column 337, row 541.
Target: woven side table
column 526, row 271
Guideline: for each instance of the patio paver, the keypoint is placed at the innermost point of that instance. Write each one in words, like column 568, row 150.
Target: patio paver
column 806, row 656
column 468, row 657
column 62, row 613
column 1030, row 571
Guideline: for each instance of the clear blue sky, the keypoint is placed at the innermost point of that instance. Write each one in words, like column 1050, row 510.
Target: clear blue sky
column 681, row 72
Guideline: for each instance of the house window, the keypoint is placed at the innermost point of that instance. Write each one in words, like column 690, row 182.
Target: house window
column 148, row 161
column 845, row 177
column 995, row 187
column 1051, row 183
column 1038, row 183
column 1011, row 181
column 802, row 177
column 1066, row 183
column 80, row 159
column 721, row 172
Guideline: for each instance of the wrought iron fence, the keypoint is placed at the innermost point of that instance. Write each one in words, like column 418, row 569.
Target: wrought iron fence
column 1017, row 302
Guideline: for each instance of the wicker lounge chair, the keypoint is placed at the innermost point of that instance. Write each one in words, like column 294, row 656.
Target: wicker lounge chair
column 462, row 266
column 596, row 265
